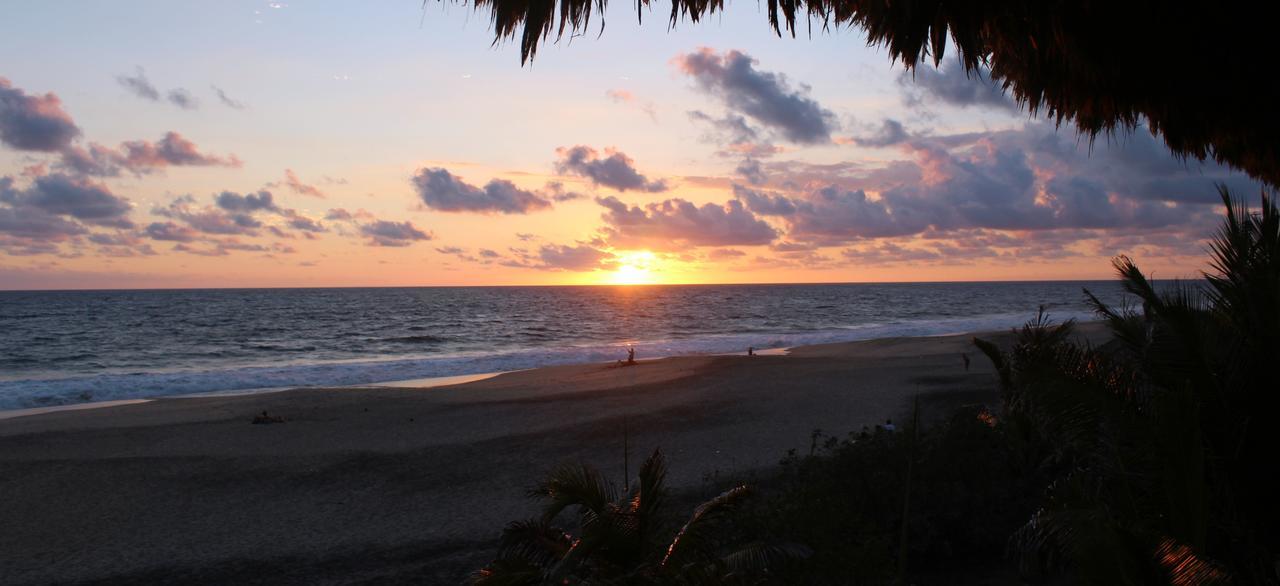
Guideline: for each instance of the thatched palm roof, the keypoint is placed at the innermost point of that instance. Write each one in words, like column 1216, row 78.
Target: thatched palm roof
column 1201, row 75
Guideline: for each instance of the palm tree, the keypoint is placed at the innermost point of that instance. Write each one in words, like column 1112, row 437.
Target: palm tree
column 1160, row 458
column 620, row 538
column 1101, row 65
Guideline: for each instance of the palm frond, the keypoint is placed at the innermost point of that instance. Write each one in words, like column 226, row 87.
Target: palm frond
column 1079, row 62
column 1184, row 567
column 508, row 572
column 575, row 485
column 694, row 540
column 762, row 557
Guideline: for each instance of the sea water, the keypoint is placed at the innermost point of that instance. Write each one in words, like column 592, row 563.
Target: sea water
column 66, row 347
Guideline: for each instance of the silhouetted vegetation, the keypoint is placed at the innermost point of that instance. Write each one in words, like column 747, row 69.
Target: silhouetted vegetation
column 1101, row 66
column 968, row 493
column 1157, row 448
column 627, row 536
column 1148, row 460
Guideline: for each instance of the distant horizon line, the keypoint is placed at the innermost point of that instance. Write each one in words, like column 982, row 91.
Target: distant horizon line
column 580, row 285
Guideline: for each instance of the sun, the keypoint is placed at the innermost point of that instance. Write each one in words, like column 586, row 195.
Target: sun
column 634, row 268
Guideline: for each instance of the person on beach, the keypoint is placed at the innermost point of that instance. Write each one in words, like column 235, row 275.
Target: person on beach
column 889, row 426
column 965, row 356
column 631, row 355
column 751, row 351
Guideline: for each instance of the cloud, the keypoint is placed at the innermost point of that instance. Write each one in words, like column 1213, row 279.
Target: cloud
column 251, row 202
column 616, row 170
column 338, row 214
column 183, row 99
column 441, row 190
column 559, row 194
column 676, row 223
column 890, row 133
column 1026, row 180
column 580, row 257
column 725, row 254
column 141, row 156
column 388, row 233
column 171, row 150
column 33, row 224
column 751, row 171
column 139, row 85
column 626, row 97
column 297, row 186
column 303, row 223
column 79, row 198
column 227, row 100
column 171, row 232
column 954, row 86
column 765, row 97
column 234, row 214
column 32, row 122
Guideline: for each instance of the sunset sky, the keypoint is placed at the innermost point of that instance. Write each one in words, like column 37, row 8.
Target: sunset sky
column 295, row 144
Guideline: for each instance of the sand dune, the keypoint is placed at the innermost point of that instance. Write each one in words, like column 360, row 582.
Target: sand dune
column 414, row 485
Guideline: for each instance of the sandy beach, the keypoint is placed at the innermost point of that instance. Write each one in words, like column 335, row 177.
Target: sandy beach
column 401, row 484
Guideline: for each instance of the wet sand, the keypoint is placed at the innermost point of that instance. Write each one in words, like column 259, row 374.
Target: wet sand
column 395, row 485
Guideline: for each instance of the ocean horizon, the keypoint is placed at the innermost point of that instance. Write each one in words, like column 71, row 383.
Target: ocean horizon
column 79, row 346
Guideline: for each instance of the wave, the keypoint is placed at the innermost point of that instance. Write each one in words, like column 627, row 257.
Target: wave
column 21, row 394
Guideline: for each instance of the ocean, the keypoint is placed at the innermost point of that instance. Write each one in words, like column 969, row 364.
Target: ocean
column 67, row 347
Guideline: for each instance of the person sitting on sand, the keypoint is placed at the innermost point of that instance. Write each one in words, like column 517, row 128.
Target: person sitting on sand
column 631, row 355
column 889, row 426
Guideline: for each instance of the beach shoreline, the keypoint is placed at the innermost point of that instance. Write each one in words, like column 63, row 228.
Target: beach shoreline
column 188, row 489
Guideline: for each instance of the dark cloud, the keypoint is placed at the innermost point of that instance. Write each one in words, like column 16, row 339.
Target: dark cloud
column 954, row 86
column 763, row 96
column 1031, row 179
column 227, row 100
column 234, row 214
column 559, row 194
column 79, row 198
column 676, row 223
column 441, row 190
column 139, row 85
column 765, row 203
column 450, row 250
column 303, row 223
column 889, row 133
column 169, row 231
column 580, row 257
column 140, row 157
column 249, row 202
column 171, row 150
column 751, row 171
column 33, row 224
column 338, row 214
column 388, row 233
column 182, row 99
column 615, row 170
column 34, row 123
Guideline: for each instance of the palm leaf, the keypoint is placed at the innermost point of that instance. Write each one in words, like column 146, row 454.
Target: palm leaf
column 695, row 539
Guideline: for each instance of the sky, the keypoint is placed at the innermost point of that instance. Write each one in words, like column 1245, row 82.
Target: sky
column 392, row 143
